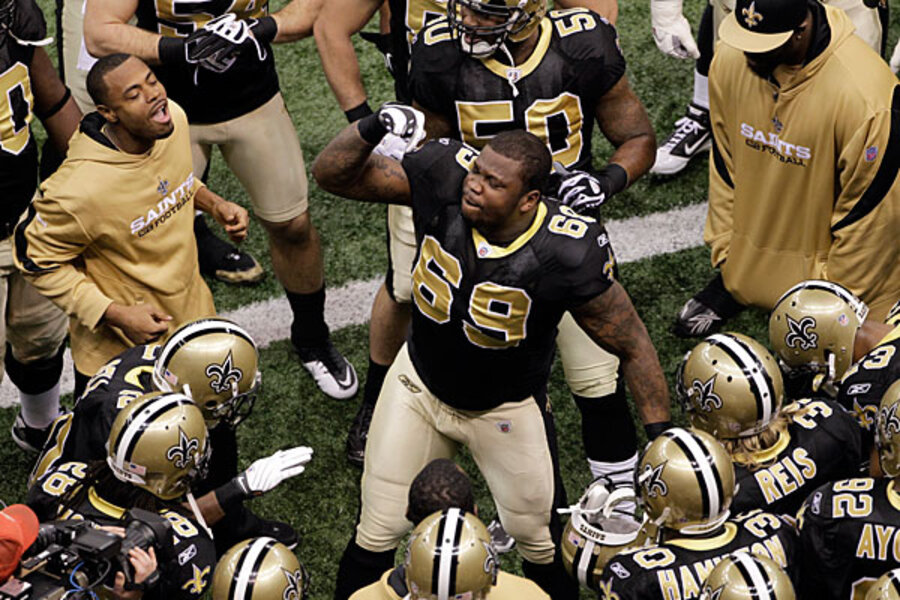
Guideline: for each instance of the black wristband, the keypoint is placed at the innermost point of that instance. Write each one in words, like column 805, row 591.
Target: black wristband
column 46, row 114
column 371, row 129
column 654, row 429
column 229, row 494
column 171, row 50
column 265, row 30
column 616, row 176
column 358, row 112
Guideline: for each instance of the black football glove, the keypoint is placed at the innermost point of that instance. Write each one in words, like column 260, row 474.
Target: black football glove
column 579, row 190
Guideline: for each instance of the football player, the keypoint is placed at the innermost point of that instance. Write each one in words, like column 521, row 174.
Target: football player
column 338, row 21
column 746, row 576
column 497, row 266
column 260, row 569
column 486, row 69
column 687, row 482
column 848, row 529
column 214, row 362
column 157, row 447
column 731, row 387
column 32, row 329
column 215, row 59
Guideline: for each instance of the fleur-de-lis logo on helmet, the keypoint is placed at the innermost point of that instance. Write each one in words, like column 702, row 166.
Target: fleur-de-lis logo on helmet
column 712, row 594
column 801, row 334
column 751, row 17
column 652, row 480
column 889, row 422
column 294, row 588
column 183, row 451
column 222, row 376
column 707, row 399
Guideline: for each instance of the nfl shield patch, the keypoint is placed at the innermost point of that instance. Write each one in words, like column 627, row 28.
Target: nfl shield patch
column 504, row 426
column 871, row 153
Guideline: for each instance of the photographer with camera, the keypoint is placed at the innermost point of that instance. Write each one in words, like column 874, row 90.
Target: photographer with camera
column 157, row 447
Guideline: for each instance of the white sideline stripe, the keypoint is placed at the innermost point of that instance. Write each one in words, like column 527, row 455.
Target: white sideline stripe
column 267, row 321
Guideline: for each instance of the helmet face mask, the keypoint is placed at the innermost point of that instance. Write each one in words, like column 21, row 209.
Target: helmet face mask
column 499, row 21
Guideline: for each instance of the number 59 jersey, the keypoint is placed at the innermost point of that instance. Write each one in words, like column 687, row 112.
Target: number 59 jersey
column 485, row 316
column 553, row 94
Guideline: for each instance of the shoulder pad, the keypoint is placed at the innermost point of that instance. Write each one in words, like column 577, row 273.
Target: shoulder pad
column 435, row 49
column 583, row 34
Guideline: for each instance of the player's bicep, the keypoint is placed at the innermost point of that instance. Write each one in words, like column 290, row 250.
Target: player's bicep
column 345, row 17
column 384, row 180
column 621, row 115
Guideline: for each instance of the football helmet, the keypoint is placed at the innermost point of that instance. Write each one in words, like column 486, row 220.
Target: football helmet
column 598, row 529
column 887, row 431
column 886, row 587
column 514, row 20
column 260, row 569
column 450, row 554
column 215, row 362
column 686, row 481
column 159, row 443
column 745, row 576
column 813, row 327
column 730, row 386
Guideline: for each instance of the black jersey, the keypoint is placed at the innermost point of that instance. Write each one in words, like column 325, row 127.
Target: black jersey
column 18, row 150
column 554, row 94
column 823, row 443
column 677, row 568
column 865, row 383
column 187, row 569
column 408, row 18
column 849, row 536
column 205, row 96
column 485, row 316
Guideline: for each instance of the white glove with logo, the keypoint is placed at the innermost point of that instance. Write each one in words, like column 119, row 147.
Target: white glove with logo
column 671, row 31
column 403, row 121
column 392, row 146
column 264, row 475
column 579, row 190
column 895, row 58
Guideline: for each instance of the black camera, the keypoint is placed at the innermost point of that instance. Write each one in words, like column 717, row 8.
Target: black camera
column 74, row 557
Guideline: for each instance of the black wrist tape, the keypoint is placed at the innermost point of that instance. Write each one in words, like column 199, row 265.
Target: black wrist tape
column 371, row 130
column 358, row 112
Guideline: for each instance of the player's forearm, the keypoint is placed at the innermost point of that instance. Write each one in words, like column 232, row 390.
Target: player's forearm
column 340, row 63
column 105, row 38
column 636, row 155
column 295, row 21
column 209, row 507
column 205, row 199
column 645, row 379
column 61, row 125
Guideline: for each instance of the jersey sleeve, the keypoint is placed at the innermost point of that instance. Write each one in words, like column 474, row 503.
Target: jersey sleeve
column 824, row 564
column 187, row 570
column 432, row 64
column 589, row 271
column 622, row 580
column 29, row 21
column 435, row 174
column 592, row 45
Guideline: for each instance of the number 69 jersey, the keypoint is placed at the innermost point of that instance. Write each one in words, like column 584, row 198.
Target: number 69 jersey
column 554, row 94
column 485, row 316
column 849, row 537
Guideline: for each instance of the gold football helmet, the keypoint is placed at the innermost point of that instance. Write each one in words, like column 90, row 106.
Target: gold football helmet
column 886, row 587
column 745, row 576
column 887, row 431
column 598, row 529
column 730, row 386
column 686, row 481
column 215, row 362
column 159, row 443
column 813, row 327
column 450, row 554
column 260, row 569
column 511, row 19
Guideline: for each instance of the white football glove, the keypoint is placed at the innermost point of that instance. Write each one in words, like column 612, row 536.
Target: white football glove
column 405, row 122
column 895, row 58
column 579, row 190
column 671, row 31
column 266, row 473
column 392, row 146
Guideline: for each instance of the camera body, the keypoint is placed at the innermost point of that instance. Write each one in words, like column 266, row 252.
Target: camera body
column 75, row 556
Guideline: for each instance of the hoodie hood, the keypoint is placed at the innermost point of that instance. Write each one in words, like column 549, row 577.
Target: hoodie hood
column 90, row 144
column 838, row 26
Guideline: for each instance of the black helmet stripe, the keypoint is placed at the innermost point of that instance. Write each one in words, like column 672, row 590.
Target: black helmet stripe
column 760, row 383
column 758, row 581
column 198, row 328
column 711, row 492
column 247, row 568
column 446, row 559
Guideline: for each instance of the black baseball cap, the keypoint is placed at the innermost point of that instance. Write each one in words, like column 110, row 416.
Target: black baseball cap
column 762, row 25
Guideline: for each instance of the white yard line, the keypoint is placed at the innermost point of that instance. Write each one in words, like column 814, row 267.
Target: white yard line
column 633, row 239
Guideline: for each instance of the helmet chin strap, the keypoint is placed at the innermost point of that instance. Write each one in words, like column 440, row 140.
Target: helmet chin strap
column 197, row 515
column 825, row 381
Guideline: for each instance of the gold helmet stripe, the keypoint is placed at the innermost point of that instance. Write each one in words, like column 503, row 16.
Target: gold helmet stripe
column 703, row 464
column 758, row 581
column 760, row 383
column 446, row 561
column 247, row 568
column 130, row 434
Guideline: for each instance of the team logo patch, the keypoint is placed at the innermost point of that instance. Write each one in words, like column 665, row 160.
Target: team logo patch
column 183, row 451
column 751, row 17
column 197, row 583
column 294, row 588
column 710, row 594
column 490, row 561
column 408, row 384
column 484, row 249
column 857, row 389
column 801, row 334
column 653, row 480
column 605, row 591
column 777, row 124
column 513, row 75
column 708, row 399
column 889, row 422
column 865, row 415
column 619, row 570
column 815, row 506
column 187, row 554
column 223, row 376
column 871, row 153
column 504, row 426
column 163, row 187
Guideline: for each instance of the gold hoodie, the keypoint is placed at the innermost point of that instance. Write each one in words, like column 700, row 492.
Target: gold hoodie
column 115, row 227
column 803, row 175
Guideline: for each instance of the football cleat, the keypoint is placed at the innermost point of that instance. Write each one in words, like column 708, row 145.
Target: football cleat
column 706, row 312
column 690, row 138
column 500, row 539
column 29, row 439
column 221, row 260
column 333, row 373
column 359, row 433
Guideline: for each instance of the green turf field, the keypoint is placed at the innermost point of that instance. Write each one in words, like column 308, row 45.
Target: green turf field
column 322, row 503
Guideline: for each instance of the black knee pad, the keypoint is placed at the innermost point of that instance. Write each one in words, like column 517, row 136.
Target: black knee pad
column 360, row 567
column 37, row 376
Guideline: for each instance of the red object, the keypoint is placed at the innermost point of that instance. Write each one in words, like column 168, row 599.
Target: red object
column 18, row 530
